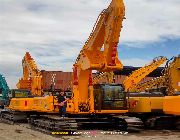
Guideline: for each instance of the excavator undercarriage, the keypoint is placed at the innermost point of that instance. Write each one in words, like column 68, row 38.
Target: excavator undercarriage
column 108, row 98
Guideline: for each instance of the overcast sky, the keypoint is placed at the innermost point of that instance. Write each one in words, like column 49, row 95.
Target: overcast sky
column 54, row 31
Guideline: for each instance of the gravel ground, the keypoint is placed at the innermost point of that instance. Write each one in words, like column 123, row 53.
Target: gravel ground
column 23, row 132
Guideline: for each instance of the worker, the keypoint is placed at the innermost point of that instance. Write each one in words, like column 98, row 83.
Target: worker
column 62, row 104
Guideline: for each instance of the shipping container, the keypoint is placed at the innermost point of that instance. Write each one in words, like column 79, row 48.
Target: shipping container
column 57, row 79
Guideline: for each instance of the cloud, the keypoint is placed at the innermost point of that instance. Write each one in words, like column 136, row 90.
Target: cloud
column 149, row 21
column 55, row 31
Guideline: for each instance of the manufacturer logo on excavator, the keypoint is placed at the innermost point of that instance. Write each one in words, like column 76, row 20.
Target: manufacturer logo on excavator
column 134, row 103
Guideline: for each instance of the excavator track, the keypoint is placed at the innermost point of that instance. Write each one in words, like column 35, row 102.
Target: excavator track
column 133, row 123
column 161, row 122
column 102, row 123
column 12, row 117
column 177, row 124
column 52, row 123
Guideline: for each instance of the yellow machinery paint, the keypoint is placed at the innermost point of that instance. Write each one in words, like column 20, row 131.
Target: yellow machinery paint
column 171, row 102
column 171, row 105
column 21, row 104
column 145, row 104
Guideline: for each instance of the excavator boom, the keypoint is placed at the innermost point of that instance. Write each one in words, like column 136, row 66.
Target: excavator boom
column 31, row 79
column 100, row 50
column 151, row 84
column 170, row 79
column 131, row 81
column 98, row 53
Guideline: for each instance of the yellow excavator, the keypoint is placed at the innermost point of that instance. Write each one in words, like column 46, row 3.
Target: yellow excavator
column 149, row 100
column 88, row 104
column 156, row 101
column 138, row 102
column 32, row 77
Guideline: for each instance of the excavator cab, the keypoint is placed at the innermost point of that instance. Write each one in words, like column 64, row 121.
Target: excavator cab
column 19, row 93
column 109, row 97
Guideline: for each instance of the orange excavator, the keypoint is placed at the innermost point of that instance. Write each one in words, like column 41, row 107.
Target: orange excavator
column 29, row 86
column 32, row 78
column 88, row 104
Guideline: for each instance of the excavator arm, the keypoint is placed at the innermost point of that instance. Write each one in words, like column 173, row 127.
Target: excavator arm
column 31, row 79
column 98, row 53
column 169, row 80
column 154, row 83
column 131, row 81
column 100, row 50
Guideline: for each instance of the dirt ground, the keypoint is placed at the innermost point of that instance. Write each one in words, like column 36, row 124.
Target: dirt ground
column 23, row 132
